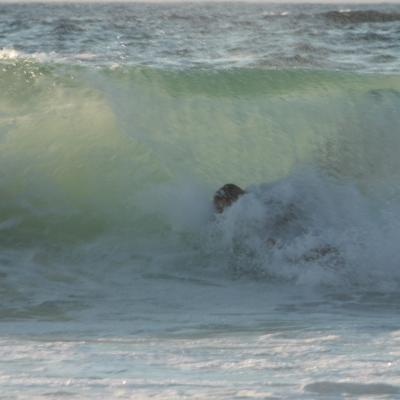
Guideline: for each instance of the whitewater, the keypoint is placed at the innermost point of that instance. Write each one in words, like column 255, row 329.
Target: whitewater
column 118, row 122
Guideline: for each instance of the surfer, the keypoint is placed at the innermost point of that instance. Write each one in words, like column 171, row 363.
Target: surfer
column 228, row 194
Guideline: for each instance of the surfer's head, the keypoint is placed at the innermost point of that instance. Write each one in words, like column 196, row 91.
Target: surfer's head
column 226, row 195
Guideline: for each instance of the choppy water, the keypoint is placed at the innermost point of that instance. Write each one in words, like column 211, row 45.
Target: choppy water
column 118, row 123
column 345, row 37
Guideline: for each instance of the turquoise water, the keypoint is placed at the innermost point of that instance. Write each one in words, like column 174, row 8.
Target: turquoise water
column 117, row 125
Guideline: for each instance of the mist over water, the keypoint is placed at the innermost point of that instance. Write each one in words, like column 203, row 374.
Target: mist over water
column 117, row 125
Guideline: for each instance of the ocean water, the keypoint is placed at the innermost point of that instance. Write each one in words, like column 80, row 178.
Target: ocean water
column 118, row 122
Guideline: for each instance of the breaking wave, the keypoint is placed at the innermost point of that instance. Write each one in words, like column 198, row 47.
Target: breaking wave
column 129, row 158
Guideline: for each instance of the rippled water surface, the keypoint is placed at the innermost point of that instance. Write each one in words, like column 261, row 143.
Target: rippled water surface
column 350, row 37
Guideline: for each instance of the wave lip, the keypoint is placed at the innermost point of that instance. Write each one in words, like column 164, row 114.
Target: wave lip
column 10, row 54
column 351, row 388
column 360, row 16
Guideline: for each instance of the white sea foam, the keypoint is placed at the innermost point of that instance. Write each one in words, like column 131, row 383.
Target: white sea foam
column 10, row 54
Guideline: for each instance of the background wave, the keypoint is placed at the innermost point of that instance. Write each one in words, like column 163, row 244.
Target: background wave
column 361, row 38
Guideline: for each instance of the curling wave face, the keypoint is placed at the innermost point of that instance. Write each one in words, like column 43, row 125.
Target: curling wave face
column 135, row 154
